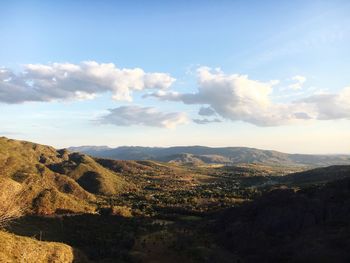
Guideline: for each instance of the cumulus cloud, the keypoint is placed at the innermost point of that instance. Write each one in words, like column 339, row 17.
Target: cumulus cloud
column 238, row 98
column 298, row 82
column 146, row 116
column 62, row 81
column 329, row 106
column 233, row 97
column 220, row 96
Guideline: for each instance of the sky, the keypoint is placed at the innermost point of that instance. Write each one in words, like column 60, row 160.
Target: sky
column 264, row 74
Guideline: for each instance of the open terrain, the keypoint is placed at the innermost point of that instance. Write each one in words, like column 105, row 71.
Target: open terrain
column 106, row 210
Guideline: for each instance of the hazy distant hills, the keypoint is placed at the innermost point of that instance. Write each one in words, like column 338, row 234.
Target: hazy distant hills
column 206, row 155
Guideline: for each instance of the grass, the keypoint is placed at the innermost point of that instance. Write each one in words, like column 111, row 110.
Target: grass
column 10, row 202
column 51, row 201
column 15, row 248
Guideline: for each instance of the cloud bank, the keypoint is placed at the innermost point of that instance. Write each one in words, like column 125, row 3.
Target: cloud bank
column 146, row 116
column 65, row 81
column 220, row 96
column 238, row 98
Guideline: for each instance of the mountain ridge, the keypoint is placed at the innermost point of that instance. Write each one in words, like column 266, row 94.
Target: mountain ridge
column 213, row 155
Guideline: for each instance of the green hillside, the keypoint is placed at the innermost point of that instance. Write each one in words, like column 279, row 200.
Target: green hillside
column 55, row 180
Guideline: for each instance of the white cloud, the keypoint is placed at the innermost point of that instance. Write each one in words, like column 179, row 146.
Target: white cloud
column 234, row 97
column 62, row 81
column 238, row 98
column 329, row 106
column 229, row 96
column 298, row 82
column 146, row 116
column 164, row 95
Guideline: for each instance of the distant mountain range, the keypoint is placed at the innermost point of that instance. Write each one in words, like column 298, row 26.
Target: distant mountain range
column 199, row 155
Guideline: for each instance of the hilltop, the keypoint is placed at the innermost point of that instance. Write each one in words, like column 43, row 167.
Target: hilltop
column 199, row 155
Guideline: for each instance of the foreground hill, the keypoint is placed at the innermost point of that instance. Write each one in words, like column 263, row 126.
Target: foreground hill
column 24, row 249
column 55, row 180
column 206, row 155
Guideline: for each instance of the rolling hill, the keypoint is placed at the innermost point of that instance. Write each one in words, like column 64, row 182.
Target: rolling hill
column 55, row 180
column 206, row 155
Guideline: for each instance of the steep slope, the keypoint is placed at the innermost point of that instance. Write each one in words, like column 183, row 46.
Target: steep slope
column 55, row 180
column 200, row 155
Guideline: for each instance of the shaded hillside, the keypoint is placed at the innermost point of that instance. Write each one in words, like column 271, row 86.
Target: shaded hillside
column 310, row 225
column 207, row 155
column 317, row 176
column 55, row 180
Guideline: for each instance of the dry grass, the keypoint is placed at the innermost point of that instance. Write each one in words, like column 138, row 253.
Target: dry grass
column 15, row 248
column 11, row 205
column 51, row 201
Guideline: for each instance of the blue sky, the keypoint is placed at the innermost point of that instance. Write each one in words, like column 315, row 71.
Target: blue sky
column 284, row 69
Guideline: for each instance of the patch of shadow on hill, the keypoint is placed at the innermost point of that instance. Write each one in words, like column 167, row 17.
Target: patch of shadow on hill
column 310, row 225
